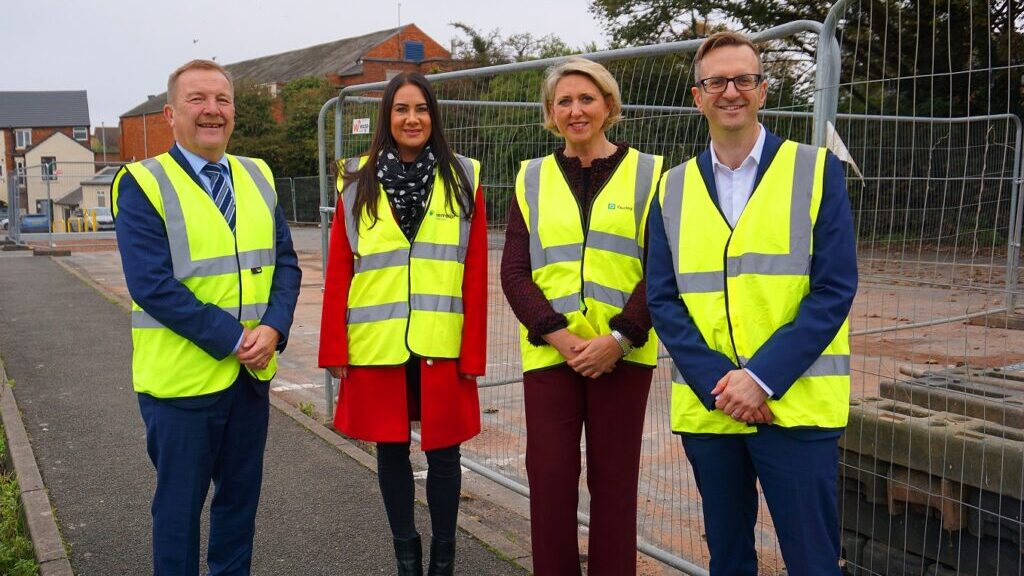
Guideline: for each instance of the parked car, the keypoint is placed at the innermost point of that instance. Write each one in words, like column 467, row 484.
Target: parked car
column 34, row 223
column 104, row 219
column 4, row 223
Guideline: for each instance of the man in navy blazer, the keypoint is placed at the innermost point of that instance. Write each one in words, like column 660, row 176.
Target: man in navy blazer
column 797, row 465
column 218, row 437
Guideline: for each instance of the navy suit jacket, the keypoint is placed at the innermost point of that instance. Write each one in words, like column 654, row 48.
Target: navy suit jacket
column 146, row 258
column 793, row 347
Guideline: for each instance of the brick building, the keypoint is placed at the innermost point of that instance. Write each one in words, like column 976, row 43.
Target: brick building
column 29, row 120
column 369, row 58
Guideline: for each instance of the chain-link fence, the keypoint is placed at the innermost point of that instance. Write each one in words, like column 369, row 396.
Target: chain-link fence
column 934, row 180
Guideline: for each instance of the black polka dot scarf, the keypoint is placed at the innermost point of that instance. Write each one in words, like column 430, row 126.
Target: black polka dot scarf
column 407, row 185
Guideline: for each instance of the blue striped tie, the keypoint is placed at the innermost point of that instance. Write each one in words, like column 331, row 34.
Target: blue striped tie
column 220, row 191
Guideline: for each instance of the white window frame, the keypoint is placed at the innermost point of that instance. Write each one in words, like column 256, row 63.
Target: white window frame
column 22, row 138
column 101, row 198
column 48, row 168
column 85, row 133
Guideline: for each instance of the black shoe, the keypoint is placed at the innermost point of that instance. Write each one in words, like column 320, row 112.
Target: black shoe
column 409, row 554
column 442, row 558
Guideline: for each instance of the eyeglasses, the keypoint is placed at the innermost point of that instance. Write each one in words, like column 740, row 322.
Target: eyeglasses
column 743, row 83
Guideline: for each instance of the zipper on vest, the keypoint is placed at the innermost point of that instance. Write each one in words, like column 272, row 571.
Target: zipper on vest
column 585, row 218
column 725, row 288
column 408, row 266
column 238, row 266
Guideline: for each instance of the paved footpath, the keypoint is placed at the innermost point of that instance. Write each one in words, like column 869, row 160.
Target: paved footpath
column 67, row 348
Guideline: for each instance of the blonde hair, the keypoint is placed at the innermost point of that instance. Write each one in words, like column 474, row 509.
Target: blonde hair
column 172, row 80
column 721, row 40
column 597, row 74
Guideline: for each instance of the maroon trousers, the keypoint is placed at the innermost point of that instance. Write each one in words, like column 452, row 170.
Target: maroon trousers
column 560, row 404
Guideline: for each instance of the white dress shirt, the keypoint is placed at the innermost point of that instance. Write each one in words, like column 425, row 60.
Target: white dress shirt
column 734, row 190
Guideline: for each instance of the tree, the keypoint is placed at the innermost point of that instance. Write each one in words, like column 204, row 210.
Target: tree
column 959, row 55
column 289, row 146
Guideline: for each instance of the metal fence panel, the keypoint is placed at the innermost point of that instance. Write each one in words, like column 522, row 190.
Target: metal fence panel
column 932, row 463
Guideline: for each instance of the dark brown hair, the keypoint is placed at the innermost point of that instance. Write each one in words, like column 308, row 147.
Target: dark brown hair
column 456, row 182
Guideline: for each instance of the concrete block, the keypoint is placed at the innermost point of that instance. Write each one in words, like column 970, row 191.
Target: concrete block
column 940, row 570
column 865, row 474
column 997, row 516
column 40, row 251
column 911, row 532
column 966, row 450
column 892, row 561
column 853, row 550
column 994, row 403
column 923, row 536
column 942, row 497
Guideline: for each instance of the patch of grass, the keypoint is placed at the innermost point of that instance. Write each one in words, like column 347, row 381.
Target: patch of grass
column 307, row 408
column 16, row 557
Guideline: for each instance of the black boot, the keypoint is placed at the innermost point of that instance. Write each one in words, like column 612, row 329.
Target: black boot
column 409, row 554
column 442, row 558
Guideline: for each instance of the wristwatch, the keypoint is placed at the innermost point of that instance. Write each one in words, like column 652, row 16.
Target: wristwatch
column 624, row 342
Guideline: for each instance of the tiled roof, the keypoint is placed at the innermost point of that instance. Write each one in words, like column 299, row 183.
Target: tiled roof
column 43, row 109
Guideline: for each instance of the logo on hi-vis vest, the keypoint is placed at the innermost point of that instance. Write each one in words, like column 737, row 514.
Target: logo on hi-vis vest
column 614, row 206
column 441, row 215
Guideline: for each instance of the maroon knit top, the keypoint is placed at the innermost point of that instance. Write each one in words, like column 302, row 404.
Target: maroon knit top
column 527, row 301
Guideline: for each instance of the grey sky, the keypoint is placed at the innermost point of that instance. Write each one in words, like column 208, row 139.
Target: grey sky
column 121, row 50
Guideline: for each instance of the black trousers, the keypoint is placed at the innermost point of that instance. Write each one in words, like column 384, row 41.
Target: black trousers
column 444, row 479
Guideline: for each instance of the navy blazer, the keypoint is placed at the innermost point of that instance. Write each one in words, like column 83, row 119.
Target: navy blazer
column 793, row 347
column 146, row 258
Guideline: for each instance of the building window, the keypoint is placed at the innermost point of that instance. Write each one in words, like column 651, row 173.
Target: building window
column 49, row 167
column 22, row 138
column 414, row 50
column 81, row 133
column 101, row 198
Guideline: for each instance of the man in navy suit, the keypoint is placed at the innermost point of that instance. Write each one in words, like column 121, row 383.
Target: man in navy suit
column 214, row 280
column 751, row 276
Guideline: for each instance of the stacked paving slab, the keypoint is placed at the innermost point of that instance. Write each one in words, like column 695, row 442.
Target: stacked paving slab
column 932, row 476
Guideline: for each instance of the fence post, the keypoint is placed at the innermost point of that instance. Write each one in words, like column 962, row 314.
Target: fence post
column 325, row 202
column 295, row 210
column 826, row 74
column 1013, row 235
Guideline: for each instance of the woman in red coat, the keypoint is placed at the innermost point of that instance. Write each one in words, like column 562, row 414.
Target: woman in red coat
column 405, row 307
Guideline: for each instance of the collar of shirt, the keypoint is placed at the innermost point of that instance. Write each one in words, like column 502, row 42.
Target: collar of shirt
column 197, row 163
column 735, row 186
column 755, row 152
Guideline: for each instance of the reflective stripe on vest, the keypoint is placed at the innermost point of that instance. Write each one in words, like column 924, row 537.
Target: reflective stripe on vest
column 586, row 275
column 738, row 305
column 406, row 296
column 233, row 271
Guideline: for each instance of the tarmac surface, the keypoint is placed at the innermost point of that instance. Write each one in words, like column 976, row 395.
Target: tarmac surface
column 67, row 352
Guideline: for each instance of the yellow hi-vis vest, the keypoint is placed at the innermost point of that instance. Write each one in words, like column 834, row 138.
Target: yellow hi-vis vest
column 406, row 296
column 586, row 273
column 741, row 285
column 232, row 271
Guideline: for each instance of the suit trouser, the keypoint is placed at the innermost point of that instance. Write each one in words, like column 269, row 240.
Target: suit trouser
column 798, row 471
column 559, row 404
column 191, row 442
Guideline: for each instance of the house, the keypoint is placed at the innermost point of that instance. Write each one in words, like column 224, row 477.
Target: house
column 369, row 58
column 54, row 167
column 93, row 192
column 38, row 132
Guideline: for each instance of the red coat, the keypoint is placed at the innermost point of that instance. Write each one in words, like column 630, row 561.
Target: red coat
column 372, row 401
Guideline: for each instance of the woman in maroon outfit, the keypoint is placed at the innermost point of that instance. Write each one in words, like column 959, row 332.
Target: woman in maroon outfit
column 409, row 163
column 589, row 386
